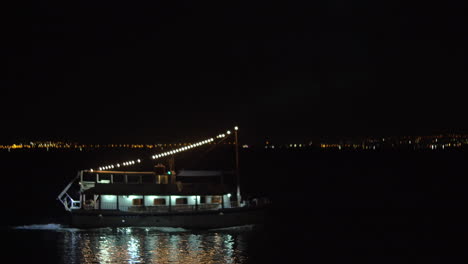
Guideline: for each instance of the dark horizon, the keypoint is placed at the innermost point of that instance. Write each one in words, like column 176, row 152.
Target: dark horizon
column 116, row 71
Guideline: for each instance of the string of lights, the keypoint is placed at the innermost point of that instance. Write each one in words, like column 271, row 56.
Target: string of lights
column 164, row 154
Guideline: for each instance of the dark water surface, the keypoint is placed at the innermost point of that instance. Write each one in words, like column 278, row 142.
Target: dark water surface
column 329, row 206
column 53, row 243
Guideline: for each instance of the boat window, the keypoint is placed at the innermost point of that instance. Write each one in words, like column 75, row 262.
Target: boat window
column 181, row 201
column 216, row 199
column 104, row 178
column 202, row 199
column 162, row 179
column 137, row 201
column 119, row 178
column 89, row 177
column 147, row 178
column 133, row 178
column 159, row 201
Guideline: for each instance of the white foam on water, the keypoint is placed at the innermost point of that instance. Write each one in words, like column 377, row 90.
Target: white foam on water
column 167, row 229
column 235, row 228
column 52, row 227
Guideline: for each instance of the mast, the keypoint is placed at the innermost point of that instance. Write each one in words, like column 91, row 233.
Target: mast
column 237, row 167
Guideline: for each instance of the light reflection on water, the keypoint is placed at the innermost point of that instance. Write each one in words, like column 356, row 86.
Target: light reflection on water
column 146, row 245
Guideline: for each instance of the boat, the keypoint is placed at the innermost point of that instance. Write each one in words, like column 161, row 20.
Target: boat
column 160, row 198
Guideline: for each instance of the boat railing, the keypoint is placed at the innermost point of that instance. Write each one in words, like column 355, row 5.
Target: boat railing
column 68, row 202
column 156, row 208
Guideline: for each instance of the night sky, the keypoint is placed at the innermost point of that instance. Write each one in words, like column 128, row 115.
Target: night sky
column 127, row 71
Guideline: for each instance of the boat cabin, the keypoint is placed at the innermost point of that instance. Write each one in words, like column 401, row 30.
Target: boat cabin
column 153, row 191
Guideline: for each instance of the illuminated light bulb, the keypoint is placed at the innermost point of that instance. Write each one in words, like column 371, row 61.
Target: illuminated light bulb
column 91, row 170
column 139, row 160
column 228, row 132
column 236, row 128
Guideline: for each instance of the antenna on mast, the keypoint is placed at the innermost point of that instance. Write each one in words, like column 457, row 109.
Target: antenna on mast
column 236, row 128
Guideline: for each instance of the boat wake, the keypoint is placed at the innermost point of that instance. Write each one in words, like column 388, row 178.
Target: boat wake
column 235, row 228
column 52, row 227
column 167, row 229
